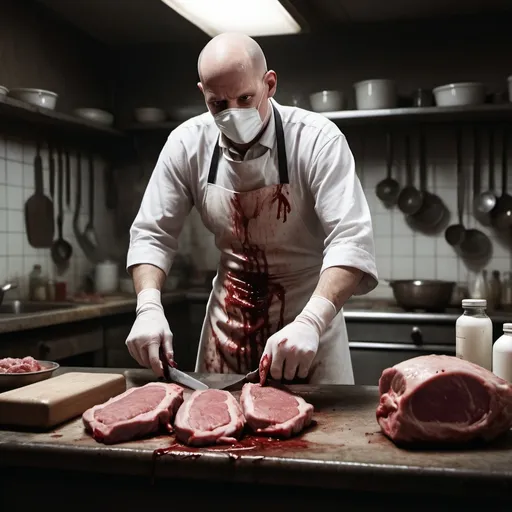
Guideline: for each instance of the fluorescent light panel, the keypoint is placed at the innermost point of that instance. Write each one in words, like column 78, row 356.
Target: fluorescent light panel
column 252, row 17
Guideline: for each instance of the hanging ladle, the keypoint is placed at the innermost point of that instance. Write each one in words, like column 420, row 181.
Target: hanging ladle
column 89, row 232
column 61, row 249
column 487, row 200
column 456, row 233
column 388, row 189
column 410, row 198
column 501, row 215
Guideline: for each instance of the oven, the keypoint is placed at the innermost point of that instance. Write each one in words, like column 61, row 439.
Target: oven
column 379, row 340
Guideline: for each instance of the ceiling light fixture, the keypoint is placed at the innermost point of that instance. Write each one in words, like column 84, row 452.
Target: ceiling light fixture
column 260, row 18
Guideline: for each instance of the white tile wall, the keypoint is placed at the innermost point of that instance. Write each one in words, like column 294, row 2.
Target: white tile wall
column 402, row 253
column 17, row 257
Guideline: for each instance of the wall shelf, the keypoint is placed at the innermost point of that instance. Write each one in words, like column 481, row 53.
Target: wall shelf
column 346, row 118
column 50, row 123
column 410, row 115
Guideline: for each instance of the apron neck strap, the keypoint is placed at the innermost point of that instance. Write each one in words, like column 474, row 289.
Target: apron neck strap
column 282, row 160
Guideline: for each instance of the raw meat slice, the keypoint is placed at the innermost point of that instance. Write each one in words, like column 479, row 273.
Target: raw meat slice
column 443, row 399
column 17, row 365
column 274, row 412
column 135, row 413
column 209, row 417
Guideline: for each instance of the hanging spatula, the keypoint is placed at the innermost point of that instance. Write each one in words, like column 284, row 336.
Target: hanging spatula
column 39, row 220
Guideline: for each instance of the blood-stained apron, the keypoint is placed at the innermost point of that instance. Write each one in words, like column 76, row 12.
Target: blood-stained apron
column 268, row 270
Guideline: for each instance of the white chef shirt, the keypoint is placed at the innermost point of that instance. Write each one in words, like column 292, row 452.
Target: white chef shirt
column 321, row 174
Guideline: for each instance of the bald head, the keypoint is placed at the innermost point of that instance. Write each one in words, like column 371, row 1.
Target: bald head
column 231, row 53
column 233, row 74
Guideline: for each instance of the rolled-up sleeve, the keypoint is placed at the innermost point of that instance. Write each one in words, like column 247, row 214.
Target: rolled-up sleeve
column 343, row 211
column 165, row 205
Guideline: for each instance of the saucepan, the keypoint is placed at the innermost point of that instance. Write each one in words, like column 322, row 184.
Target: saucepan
column 428, row 295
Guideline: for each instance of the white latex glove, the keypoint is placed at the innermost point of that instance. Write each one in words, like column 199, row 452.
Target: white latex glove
column 150, row 331
column 289, row 352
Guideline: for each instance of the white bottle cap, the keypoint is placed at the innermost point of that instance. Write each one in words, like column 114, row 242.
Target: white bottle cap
column 474, row 303
column 507, row 327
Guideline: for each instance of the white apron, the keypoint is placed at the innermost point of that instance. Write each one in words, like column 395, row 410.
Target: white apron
column 268, row 270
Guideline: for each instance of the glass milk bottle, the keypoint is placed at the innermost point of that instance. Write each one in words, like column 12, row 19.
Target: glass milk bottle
column 502, row 354
column 473, row 331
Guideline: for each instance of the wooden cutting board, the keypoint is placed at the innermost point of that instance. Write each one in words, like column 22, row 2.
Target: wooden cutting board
column 53, row 401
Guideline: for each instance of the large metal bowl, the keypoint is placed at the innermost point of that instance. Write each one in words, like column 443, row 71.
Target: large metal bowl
column 17, row 380
column 428, row 295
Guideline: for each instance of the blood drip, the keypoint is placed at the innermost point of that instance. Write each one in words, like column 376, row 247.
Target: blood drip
column 251, row 291
column 282, row 203
column 212, row 362
column 264, row 368
column 247, row 444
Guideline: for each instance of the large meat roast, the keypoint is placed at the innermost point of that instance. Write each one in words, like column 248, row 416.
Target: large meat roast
column 443, row 399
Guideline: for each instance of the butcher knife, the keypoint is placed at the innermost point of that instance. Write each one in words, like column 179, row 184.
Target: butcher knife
column 232, row 382
column 175, row 375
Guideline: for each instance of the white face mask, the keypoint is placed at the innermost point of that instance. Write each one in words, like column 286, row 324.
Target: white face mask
column 241, row 125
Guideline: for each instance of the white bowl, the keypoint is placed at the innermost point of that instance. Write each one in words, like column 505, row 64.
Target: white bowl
column 463, row 93
column 326, row 101
column 375, row 94
column 509, row 80
column 96, row 115
column 149, row 115
column 37, row 97
column 3, row 90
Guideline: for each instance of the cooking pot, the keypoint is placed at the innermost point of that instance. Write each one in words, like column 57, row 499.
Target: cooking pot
column 429, row 295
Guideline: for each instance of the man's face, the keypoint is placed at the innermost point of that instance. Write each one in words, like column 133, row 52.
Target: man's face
column 238, row 89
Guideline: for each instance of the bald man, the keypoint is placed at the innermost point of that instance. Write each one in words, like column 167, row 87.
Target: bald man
column 277, row 187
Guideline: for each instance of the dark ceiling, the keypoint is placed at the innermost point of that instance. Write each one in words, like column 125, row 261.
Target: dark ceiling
column 122, row 22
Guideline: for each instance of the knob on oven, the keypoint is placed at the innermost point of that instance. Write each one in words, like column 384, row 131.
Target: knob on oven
column 416, row 335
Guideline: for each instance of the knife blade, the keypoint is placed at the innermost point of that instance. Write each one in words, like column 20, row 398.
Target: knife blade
column 184, row 379
column 233, row 382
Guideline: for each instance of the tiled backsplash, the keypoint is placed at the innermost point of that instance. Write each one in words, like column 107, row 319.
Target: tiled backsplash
column 17, row 256
column 402, row 253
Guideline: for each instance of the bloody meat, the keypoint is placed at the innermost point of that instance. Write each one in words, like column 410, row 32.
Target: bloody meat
column 209, row 417
column 135, row 413
column 17, row 365
column 274, row 412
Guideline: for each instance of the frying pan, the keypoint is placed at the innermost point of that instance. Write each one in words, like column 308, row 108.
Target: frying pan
column 476, row 244
column 432, row 210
